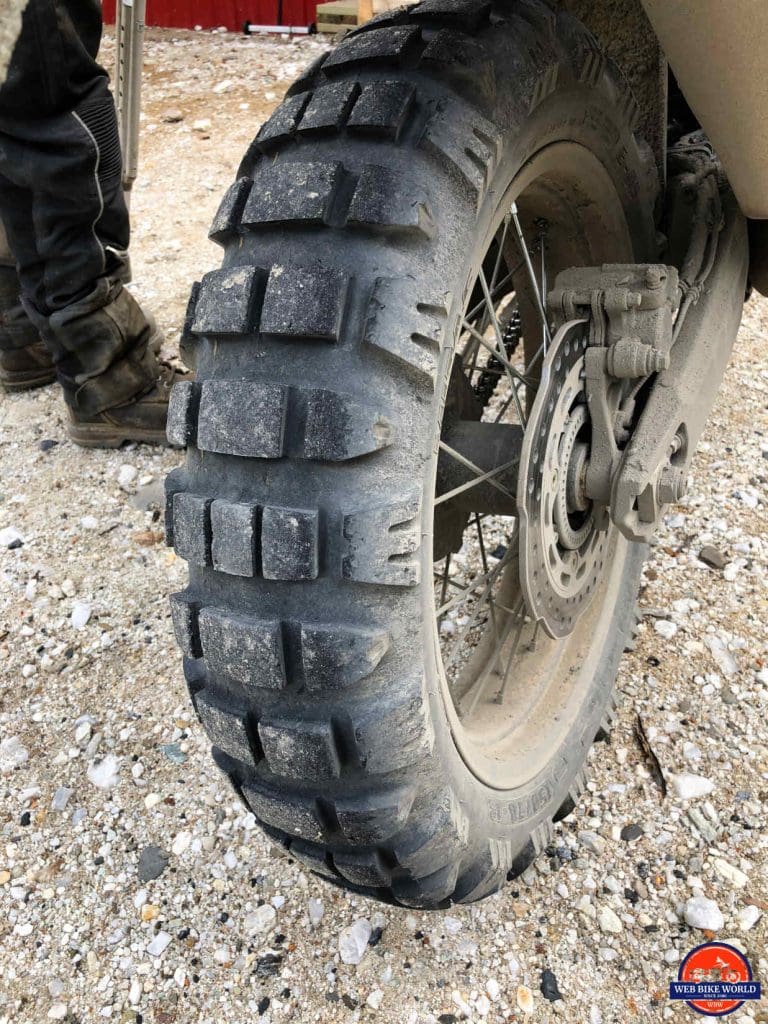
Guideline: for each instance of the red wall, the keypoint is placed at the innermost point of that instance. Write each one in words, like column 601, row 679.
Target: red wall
column 215, row 13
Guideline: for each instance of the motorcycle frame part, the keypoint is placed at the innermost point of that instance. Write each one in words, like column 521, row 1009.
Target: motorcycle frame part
column 130, row 21
column 656, row 461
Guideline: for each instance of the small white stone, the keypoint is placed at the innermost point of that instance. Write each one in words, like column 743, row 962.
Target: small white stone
column 608, row 921
column 703, row 913
column 159, row 944
column 748, row 917
column 261, row 920
column 483, row 1005
column 126, row 478
column 730, row 873
column 452, row 925
column 89, row 523
column 230, row 860
column 665, row 628
column 315, row 910
column 104, row 774
column 12, row 754
column 58, row 1011
column 525, row 998
column 134, row 993
column 152, row 800
column 83, row 733
column 181, row 843
column 81, row 613
column 749, row 496
column 353, row 941
column 592, row 841
column 375, row 998
column 722, row 656
column 493, row 989
column 61, row 798
column 691, row 752
column 690, row 787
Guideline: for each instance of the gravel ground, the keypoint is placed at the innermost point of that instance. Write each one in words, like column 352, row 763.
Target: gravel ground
column 106, row 778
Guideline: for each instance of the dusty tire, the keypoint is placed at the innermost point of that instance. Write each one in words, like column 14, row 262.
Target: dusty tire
column 323, row 348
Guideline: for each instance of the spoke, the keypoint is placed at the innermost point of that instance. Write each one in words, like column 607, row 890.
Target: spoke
column 480, row 478
column 444, row 588
column 504, row 407
column 531, row 276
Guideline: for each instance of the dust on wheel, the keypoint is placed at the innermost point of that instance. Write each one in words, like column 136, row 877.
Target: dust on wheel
column 357, row 640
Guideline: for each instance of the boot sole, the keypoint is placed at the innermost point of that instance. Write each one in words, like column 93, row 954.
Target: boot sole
column 26, row 380
column 101, row 436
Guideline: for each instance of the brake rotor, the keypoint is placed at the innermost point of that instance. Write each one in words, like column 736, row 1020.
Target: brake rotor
column 563, row 537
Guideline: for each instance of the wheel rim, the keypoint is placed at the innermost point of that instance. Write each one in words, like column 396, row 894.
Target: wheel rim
column 510, row 690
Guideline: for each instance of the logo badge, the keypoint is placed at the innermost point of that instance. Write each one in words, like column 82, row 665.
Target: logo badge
column 715, row 979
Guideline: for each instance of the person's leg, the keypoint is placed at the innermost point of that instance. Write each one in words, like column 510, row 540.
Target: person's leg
column 66, row 155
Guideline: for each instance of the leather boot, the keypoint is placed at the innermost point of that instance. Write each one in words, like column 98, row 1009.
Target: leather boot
column 25, row 362
column 116, row 388
column 142, row 418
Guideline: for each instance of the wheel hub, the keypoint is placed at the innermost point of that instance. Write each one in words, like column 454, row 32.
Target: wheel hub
column 563, row 536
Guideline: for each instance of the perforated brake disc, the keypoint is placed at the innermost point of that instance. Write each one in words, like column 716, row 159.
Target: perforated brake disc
column 563, row 538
